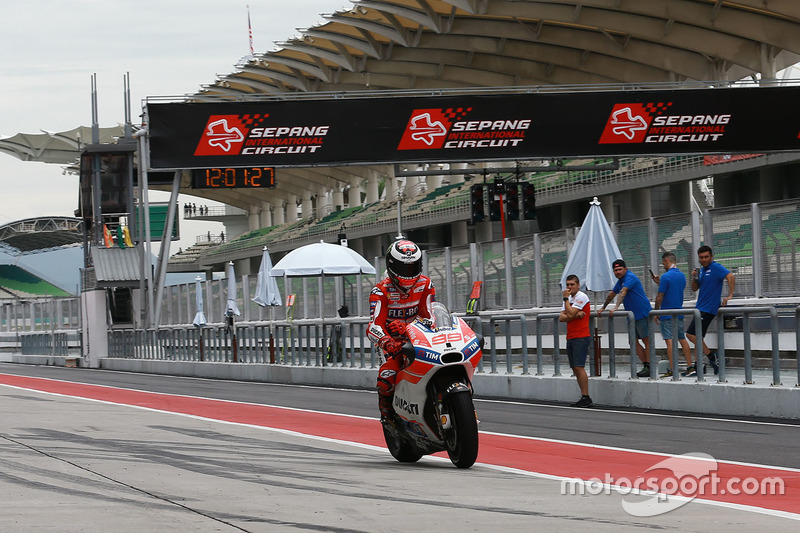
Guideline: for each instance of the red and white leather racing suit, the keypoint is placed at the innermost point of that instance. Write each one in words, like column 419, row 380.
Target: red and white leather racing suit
column 386, row 304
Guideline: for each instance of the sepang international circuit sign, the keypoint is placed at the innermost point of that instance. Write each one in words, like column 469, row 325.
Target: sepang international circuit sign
column 473, row 127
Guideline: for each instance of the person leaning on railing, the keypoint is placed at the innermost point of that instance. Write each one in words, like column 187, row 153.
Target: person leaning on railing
column 708, row 281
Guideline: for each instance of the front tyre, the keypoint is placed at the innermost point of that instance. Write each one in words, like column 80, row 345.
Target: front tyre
column 400, row 449
column 462, row 438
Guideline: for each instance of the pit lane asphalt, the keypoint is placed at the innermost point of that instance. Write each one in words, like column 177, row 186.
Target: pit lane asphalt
column 76, row 465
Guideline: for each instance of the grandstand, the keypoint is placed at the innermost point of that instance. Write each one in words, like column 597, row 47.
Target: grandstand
column 18, row 283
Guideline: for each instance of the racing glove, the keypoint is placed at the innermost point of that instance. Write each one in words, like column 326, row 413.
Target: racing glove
column 392, row 347
column 396, row 328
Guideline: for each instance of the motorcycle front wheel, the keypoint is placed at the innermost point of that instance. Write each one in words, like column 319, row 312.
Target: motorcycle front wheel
column 462, row 438
column 400, row 450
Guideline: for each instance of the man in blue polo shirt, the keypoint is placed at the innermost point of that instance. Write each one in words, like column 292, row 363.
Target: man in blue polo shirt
column 670, row 296
column 708, row 280
column 631, row 293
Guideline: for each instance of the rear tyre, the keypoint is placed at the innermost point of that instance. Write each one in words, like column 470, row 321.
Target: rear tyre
column 400, row 450
column 462, row 437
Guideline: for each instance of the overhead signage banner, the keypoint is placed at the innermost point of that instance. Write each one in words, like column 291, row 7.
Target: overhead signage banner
column 473, row 127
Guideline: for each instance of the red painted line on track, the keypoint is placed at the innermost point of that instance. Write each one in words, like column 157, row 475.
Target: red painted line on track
column 558, row 459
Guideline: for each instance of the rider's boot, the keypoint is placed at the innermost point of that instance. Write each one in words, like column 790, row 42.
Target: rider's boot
column 388, row 415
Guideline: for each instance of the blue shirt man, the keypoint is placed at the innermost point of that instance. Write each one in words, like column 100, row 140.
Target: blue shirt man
column 671, row 285
column 708, row 280
column 632, row 294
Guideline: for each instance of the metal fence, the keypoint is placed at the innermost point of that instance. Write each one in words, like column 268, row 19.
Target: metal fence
column 515, row 343
column 40, row 314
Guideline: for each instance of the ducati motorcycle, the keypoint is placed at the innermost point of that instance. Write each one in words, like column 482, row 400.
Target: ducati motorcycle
column 433, row 393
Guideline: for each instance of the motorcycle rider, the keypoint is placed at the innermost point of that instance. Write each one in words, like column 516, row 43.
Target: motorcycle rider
column 394, row 302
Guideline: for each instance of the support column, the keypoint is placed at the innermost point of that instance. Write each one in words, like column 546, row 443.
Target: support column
column 679, row 199
column 306, row 208
column 279, row 214
column 458, row 233
column 338, row 199
column 94, row 326
column 640, row 203
column 265, row 217
column 372, row 187
column 253, row 217
column 291, row 209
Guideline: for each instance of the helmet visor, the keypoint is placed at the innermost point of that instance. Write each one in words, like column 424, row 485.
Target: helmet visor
column 407, row 270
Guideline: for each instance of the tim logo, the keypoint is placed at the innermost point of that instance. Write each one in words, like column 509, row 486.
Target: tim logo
column 428, row 128
column 225, row 134
column 629, row 123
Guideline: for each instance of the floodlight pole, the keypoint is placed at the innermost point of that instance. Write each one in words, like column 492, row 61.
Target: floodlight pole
column 399, row 212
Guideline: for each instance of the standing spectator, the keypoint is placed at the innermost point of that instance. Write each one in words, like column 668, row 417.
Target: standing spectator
column 575, row 312
column 631, row 293
column 708, row 280
column 670, row 296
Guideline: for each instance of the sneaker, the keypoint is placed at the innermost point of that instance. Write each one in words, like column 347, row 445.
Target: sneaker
column 690, row 371
column 585, row 401
column 644, row 372
column 667, row 374
column 712, row 360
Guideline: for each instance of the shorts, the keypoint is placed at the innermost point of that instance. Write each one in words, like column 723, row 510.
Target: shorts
column 577, row 350
column 642, row 328
column 705, row 319
column 666, row 329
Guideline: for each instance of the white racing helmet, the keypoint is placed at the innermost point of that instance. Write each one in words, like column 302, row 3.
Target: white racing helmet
column 404, row 264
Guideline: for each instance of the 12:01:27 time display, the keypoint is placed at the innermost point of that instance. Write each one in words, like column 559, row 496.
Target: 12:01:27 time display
column 233, row 178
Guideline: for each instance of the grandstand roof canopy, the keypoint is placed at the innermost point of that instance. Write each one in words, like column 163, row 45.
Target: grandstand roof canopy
column 37, row 234
column 62, row 147
column 406, row 46
column 429, row 45
column 426, row 44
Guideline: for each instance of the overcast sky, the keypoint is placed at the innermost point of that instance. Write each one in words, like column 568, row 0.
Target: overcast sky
column 170, row 47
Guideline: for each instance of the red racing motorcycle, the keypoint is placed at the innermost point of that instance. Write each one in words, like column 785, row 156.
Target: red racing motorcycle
column 433, row 394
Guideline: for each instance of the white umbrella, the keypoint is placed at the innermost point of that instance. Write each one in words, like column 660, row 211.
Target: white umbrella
column 267, row 293
column 594, row 250
column 199, row 318
column 231, row 308
column 322, row 258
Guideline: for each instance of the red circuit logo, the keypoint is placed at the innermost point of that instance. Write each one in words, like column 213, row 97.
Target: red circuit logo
column 225, row 134
column 628, row 123
column 428, row 128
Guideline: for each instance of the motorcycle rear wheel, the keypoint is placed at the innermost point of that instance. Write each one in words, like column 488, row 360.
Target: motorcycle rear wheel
column 462, row 438
column 400, row 450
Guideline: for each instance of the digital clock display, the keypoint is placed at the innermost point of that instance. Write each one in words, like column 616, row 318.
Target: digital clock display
column 233, row 178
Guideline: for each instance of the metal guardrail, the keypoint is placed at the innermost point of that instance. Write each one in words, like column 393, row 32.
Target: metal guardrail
column 54, row 343
column 748, row 364
column 343, row 342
